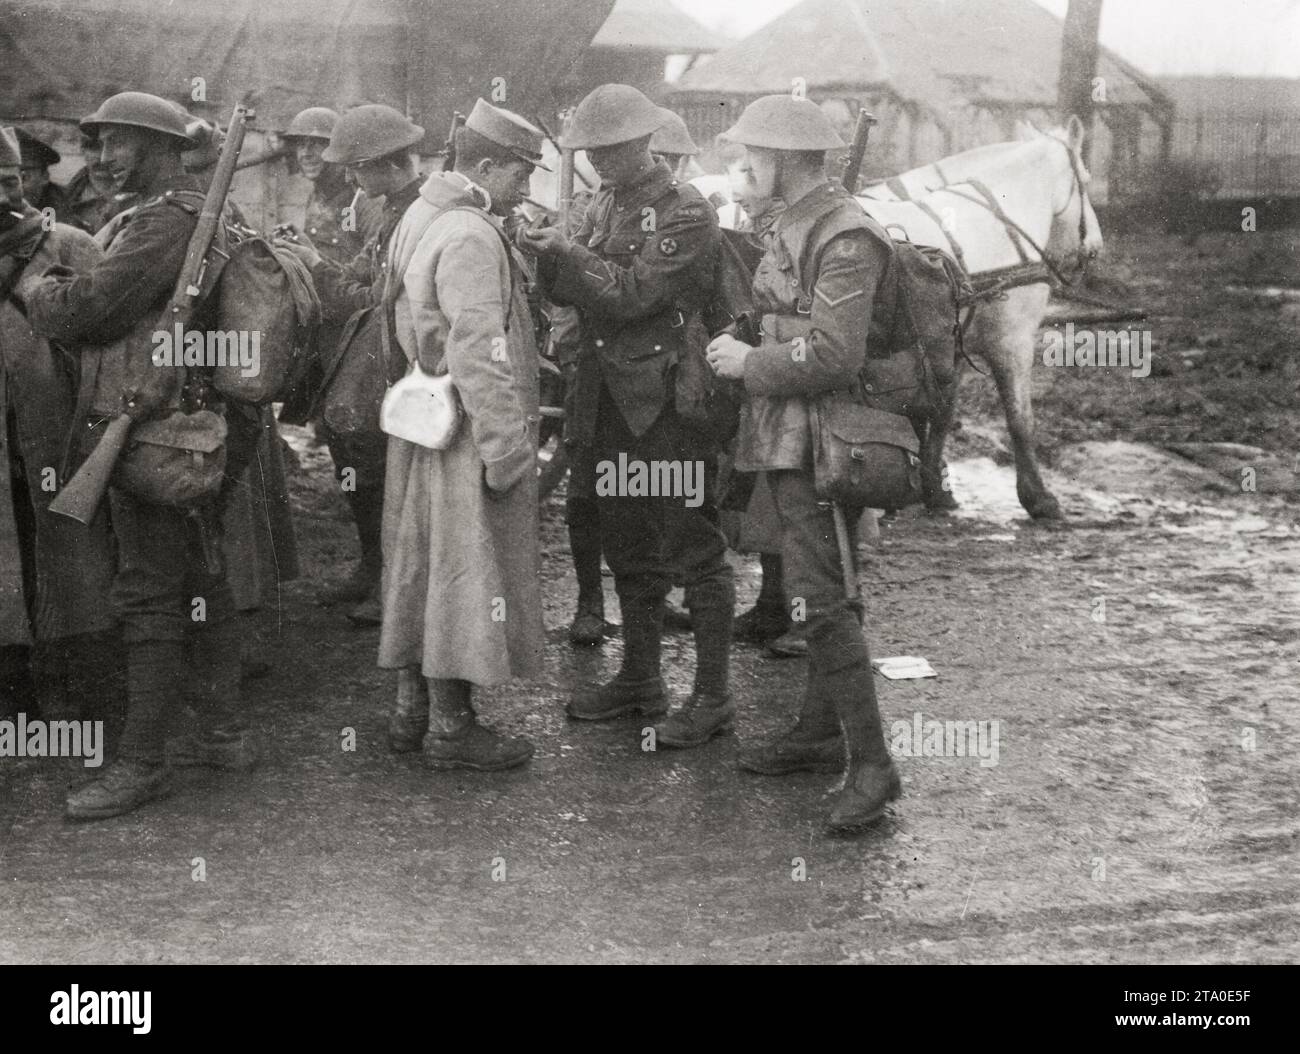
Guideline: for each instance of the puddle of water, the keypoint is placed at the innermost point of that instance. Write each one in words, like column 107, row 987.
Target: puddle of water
column 1276, row 292
column 986, row 492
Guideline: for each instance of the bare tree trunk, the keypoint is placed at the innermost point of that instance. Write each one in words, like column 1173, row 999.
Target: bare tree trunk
column 1074, row 90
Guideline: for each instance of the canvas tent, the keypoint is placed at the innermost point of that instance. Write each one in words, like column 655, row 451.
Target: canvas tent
column 60, row 58
column 941, row 76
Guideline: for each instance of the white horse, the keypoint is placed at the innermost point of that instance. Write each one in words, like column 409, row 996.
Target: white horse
column 1039, row 184
column 1041, row 187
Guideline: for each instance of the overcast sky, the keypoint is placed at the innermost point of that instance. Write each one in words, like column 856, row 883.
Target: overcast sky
column 1244, row 37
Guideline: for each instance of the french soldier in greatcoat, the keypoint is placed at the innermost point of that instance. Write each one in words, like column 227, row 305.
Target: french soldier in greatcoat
column 462, row 589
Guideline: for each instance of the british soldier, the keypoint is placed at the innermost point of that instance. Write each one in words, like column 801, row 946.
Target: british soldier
column 109, row 311
column 373, row 143
column 640, row 273
column 818, row 288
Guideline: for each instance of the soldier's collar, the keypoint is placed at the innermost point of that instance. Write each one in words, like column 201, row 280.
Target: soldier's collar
column 169, row 186
column 650, row 182
column 481, row 197
column 400, row 200
column 811, row 204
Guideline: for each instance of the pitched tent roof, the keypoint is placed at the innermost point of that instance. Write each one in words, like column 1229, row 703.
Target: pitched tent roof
column 656, row 25
column 940, row 55
column 60, row 58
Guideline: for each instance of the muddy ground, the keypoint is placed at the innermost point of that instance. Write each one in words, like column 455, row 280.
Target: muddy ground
column 1142, row 661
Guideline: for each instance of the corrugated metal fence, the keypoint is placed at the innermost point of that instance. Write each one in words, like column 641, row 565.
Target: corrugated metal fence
column 1251, row 156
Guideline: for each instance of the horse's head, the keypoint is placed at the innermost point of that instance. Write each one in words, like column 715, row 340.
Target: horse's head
column 1075, row 235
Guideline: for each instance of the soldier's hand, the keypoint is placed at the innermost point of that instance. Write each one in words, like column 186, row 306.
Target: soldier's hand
column 543, row 241
column 726, row 355
column 32, row 280
column 305, row 251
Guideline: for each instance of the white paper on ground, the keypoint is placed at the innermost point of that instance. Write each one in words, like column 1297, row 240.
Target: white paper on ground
column 904, row 667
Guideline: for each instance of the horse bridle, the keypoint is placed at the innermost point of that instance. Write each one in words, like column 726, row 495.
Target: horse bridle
column 1077, row 184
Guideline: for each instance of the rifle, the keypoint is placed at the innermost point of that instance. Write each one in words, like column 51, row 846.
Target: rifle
column 567, row 172
column 853, row 164
column 449, row 162
column 81, row 496
column 848, row 566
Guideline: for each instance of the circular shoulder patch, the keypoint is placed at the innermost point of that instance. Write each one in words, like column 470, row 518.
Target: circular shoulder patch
column 668, row 246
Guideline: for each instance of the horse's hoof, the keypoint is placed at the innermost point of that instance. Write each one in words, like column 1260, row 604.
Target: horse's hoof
column 1045, row 508
column 941, row 508
column 938, row 501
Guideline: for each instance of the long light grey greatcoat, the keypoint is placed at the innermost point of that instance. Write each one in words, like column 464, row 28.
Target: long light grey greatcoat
column 73, row 565
column 461, row 588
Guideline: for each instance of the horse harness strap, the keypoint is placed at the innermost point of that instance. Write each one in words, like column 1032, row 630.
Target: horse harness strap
column 957, row 253
column 1013, row 226
column 898, row 188
column 994, row 206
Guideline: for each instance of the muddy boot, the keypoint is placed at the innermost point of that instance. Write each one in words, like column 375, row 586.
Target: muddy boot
column 139, row 774
column 638, row 688
column 709, row 711
column 124, row 786
column 588, row 628
column 647, row 695
column 409, row 720
column 792, row 644
column 814, row 744
column 698, row 721
column 456, row 740
column 223, row 739
column 872, row 781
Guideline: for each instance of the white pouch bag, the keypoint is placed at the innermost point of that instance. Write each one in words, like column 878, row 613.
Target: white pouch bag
column 422, row 409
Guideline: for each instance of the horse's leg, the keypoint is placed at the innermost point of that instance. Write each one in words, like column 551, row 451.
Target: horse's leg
column 1008, row 329
column 934, row 484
